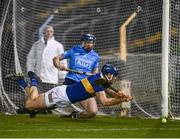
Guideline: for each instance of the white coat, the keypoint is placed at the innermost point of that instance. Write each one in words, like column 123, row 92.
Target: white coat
column 40, row 60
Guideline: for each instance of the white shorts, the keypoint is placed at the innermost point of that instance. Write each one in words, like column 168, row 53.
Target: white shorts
column 57, row 97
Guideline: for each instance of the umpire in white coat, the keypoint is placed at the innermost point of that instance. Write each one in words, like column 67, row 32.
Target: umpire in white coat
column 40, row 60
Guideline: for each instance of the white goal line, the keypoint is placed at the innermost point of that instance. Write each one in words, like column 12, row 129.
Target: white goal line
column 88, row 129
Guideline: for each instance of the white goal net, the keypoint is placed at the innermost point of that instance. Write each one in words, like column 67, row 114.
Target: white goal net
column 174, row 59
column 129, row 36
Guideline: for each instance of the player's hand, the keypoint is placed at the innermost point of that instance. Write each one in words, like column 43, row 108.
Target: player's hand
column 126, row 99
column 57, row 63
column 61, row 67
column 129, row 98
column 120, row 94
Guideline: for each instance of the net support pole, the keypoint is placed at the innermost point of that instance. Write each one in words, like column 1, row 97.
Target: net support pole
column 165, row 63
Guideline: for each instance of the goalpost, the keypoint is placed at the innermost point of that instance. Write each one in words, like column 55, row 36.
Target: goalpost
column 136, row 43
column 165, row 56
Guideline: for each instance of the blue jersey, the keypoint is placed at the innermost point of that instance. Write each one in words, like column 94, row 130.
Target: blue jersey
column 81, row 60
column 83, row 89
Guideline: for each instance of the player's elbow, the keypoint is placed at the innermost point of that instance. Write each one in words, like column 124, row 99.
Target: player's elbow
column 55, row 59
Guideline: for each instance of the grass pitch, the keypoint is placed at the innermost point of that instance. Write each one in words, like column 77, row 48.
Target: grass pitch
column 50, row 126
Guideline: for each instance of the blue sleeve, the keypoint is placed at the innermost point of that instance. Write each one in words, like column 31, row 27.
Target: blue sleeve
column 96, row 64
column 68, row 53
column 99, row 88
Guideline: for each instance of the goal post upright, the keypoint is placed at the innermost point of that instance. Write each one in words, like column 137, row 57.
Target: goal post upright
column 165, row 61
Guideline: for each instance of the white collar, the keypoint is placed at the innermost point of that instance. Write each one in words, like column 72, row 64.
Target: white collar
column 42, row 39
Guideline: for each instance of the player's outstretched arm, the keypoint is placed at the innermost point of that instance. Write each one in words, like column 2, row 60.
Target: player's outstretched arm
column 56, row 62
column 116, row 94
column 111, row 101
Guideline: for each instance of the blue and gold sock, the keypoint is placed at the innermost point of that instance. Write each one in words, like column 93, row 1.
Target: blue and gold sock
column 34, row 82
column 22, row 83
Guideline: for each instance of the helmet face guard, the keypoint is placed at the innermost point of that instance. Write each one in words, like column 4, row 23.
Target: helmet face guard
column 88, row 38
column 108, row 68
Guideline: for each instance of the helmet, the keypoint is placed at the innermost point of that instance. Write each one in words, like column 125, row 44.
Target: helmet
column 88, row 37
column 108, row 68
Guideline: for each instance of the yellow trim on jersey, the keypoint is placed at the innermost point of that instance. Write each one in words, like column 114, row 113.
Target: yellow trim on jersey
column 87, row 85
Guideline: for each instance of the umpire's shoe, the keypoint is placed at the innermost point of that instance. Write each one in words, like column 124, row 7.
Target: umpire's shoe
column 32, row 75
column 15, row 76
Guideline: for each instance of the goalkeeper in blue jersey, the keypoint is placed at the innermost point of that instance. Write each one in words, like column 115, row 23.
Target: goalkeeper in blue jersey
column 61, row 96
column 81, row 58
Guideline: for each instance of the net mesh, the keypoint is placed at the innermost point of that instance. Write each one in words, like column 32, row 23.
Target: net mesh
column 140, row 73
column 174, row 59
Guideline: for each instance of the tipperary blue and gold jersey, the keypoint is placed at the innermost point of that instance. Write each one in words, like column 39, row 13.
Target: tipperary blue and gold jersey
column 83, row 89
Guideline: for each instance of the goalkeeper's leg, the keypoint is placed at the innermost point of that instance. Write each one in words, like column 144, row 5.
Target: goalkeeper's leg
column 30, row 91
column 34, row 99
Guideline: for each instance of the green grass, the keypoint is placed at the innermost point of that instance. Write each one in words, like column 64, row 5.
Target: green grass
column 50, row 126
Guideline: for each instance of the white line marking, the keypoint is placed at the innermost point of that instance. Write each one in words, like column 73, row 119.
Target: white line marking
column 87, row 129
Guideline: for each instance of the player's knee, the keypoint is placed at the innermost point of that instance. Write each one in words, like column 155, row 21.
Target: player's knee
column 93, row 110
column 88, row 114
column 92, row 113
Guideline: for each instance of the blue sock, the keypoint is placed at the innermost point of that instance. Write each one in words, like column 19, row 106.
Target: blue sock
column 34, row 82
column 22, row 83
